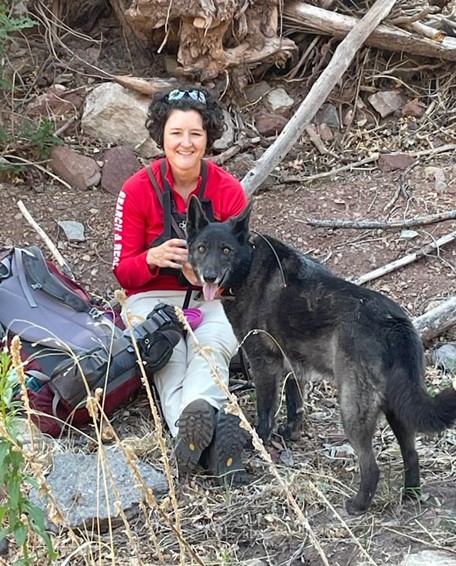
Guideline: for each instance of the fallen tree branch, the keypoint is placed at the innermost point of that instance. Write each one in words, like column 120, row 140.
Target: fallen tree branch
column 324, row 22
column 436, row 321
column 410, row 258
column 234, row 149
column 23, row 161
column 377, row 224
column 423, row 14
column 341, row 60
column 335, row 171
column 365, row 161
column 144, row 86
column 66, row 269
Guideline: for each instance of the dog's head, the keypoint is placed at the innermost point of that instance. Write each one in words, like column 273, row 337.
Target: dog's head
column 219, row 252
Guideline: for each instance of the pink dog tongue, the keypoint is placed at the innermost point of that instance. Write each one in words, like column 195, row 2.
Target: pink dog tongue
column 209, row 291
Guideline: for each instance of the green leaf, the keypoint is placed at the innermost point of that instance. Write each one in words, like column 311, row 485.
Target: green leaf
column 36, row 515
column 17, row 459
column 14, row 492
column 4, row 447
column 20, row 533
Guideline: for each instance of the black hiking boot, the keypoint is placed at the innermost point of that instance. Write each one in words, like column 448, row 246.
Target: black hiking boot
column 196, row 429
column 226, row 454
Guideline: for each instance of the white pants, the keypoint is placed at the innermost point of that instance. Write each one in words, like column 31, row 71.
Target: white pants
column 187, row 375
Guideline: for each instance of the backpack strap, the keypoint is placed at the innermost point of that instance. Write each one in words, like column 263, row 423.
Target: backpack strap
column 32, row 267
column 19, row 259
column 164, row 198
column 205, row 203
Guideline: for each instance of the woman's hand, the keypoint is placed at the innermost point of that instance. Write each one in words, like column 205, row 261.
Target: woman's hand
column 172, row 253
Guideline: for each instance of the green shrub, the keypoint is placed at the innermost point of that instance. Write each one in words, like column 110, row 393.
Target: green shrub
column 19, row 517
column 8, row 27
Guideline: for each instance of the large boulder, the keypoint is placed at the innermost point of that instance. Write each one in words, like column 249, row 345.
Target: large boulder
column 116, row 115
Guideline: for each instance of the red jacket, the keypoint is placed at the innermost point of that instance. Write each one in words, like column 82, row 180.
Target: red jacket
column 138, row 221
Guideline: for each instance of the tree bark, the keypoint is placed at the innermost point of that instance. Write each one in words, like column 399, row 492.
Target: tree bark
column 213, row 35
column 324, row 22
column 436, row 321
column 342, row 58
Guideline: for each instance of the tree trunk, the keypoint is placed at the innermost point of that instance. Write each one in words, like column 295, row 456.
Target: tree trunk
column 391, row 38
column 212, row 36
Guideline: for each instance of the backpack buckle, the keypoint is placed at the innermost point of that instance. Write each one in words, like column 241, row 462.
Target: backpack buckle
column 95, row 313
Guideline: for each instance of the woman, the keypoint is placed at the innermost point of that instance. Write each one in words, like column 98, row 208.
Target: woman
column 150, row 263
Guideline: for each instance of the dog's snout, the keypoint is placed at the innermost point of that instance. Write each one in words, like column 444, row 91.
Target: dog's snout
column 209, row 276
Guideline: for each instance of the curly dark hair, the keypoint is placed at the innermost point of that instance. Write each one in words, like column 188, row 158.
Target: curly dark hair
column 161, row 107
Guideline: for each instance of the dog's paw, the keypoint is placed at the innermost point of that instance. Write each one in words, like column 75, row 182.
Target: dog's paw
column 264, row 430
column 411, row 494
column 289, row 432
column 356, row 507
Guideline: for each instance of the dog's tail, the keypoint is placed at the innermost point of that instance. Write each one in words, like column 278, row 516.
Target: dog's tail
column 411, row 403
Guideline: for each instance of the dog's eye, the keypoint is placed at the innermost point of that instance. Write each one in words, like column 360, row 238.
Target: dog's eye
column 226, row 250
column 201, row 249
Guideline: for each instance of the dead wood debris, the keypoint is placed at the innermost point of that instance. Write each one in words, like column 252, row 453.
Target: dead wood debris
column 380, row 225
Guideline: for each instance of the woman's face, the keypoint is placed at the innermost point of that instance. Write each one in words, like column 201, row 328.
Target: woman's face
column 184, row 140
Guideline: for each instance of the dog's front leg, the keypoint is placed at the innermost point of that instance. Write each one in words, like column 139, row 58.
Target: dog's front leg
column 266, row 369
column 294, row 395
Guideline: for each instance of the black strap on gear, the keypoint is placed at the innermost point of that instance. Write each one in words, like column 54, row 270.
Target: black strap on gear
column 38, row 276
column 172, row 220
column 157, row 336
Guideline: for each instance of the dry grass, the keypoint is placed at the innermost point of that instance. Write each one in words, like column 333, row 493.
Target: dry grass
column 292, row 512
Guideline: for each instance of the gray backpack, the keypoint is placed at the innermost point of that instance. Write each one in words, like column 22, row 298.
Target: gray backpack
column 71, row 346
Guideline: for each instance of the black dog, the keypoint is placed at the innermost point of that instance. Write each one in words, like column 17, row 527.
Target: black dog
column 326, row 327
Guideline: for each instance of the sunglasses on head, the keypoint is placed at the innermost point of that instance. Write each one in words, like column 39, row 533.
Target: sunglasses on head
column 195, row 95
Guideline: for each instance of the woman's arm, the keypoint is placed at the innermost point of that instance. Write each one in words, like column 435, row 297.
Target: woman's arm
column 130, row 233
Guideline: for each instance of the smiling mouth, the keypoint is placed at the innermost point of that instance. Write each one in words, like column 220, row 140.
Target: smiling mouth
column 212, row 291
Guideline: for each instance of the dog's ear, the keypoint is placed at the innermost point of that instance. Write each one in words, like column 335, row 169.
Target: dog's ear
column 196, row 219
column 240, row 223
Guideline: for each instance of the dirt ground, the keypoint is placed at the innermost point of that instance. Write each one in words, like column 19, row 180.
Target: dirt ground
column 320, row 470
column 281, row 210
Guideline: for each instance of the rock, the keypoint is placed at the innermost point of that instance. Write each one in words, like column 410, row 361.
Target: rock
column 76, row 482
column 74, row 231
column 119, row 163
column 429, row 558
column 438, row 174
column 386, row 102
column 77, row 170
column 55, row 102
column 328, row 115
column 278, row 100
column 114, row 114
column 256, row 92
column 440, row 181
column 269, row 124
column 325, row 132
column 227, row 138
column 409, row 234
column 394, row 161
column 445, row 357
column 414, row 109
